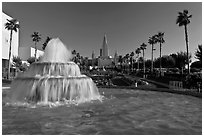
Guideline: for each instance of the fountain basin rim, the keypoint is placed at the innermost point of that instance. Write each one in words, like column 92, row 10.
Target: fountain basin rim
column 52, row 77
column 164, row 90
column 54, row 63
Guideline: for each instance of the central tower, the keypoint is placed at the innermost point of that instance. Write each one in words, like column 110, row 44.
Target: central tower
column 104, row 58
column 105, row 47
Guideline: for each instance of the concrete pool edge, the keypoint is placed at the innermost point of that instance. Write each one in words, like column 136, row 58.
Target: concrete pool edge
column 191, row 93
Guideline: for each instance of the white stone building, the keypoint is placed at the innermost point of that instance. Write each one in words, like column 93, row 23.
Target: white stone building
column 27, row 52
column 6, row 45
column 6, row 42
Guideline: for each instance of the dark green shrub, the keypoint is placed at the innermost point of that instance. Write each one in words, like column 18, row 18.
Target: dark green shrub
column 193, row 81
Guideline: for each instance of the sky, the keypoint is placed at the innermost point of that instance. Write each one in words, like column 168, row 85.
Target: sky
column 82, row 25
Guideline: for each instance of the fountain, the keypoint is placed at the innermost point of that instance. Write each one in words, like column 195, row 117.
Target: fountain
column 53, row 79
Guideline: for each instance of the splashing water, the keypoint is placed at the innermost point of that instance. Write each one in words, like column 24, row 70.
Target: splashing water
column 53, row 79
column 56, row 51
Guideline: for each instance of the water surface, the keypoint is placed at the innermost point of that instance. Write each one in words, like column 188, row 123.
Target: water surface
column 129, row 112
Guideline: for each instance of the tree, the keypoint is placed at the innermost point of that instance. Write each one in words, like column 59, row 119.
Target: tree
column 86, row 61
column 11, row 25
column 148, row 64
column 36, row 37
column 198, row 53
column 120, row 60
column 74, row 55
column 127, row 58
column 181, row 59
column 183, row 19
column 143, row 47
column 140, row 61
column 74, row 52
column 78, row 58
column 152, row 40
column 31, row 60
column 46, row 42
column 160, row 39
column 196, row 64
column 17, row 62
column 131, row 59
column 137, row 52
column 167, row 61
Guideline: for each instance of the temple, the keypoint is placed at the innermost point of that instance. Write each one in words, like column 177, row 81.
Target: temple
column 104, row 58
column 105, row 47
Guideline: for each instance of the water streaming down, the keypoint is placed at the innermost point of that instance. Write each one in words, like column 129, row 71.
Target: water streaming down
column 53, row 79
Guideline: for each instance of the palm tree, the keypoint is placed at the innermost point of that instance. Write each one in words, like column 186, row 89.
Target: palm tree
column 78, row 57
column 74, row 52
column 152, row 41
column 160, row 39
column 36, row 38
column 127, row 56
column 131, row 59
column 138, row 51
column 46, row 42
column 74, row 55
column 120, row 60
column 11, row 25
column 198, row 53
column 183, row 19
column 143, row 47
column 17, row 62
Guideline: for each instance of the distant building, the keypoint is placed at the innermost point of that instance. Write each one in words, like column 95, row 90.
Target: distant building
column 27, row 52
column 104, row 58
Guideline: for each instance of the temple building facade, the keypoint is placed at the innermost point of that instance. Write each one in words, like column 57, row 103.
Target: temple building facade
column 104, row 59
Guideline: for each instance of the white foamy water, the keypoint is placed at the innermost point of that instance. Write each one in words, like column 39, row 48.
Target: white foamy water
column 56, row 51
column 53, row 79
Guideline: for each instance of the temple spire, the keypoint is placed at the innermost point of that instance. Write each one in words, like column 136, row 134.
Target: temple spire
column 105, row 47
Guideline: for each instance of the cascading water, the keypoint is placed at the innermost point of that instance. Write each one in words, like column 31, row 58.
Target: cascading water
column 53, row 79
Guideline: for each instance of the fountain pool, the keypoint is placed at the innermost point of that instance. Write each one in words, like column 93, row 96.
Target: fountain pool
column 122, row 111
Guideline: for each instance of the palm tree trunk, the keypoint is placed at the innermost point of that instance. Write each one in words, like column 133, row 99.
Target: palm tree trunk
column 35, row 52
column 160, row 60
column 143, row 64
column 186, row 36
column 132, row 67
column 152, row 59
column 9, row 64
column 132, row 64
